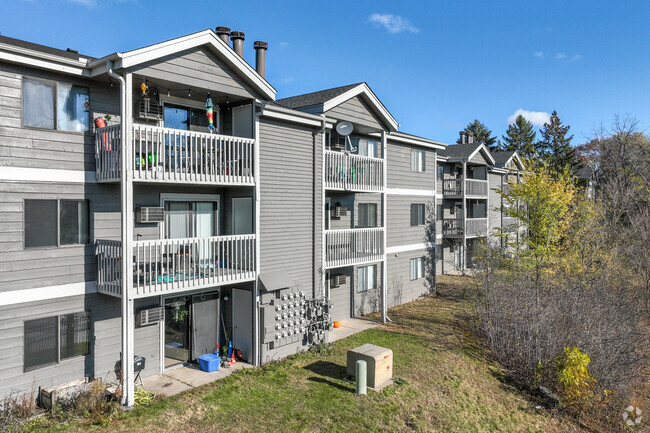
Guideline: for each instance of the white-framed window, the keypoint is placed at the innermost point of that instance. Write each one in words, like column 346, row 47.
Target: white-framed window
column 50, row 340
column 441, row 214
column 417, row 214
column 51, row 223
column 52, row 105
column 441, row 172
column 367, row 215
column 366, row 278
column 367, row 148
column 418, row 162
column 417, row 268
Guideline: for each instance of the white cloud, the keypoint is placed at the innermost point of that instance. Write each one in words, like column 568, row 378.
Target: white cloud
column 560, row 56
column 286, row 80
column 537, row 118
column 283, row 44
column 539, row 54
column 393, row 23
column 575, row 57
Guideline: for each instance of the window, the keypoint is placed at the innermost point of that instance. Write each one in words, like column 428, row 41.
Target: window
column 50, row 223
column 367, row 215
column 417, row 268
column 417, row 160
column 52, row 339
column 52, row 105
column 417, row 214
column 441, row 214
column 441, row 172
column 367, row 148
column 366, row 278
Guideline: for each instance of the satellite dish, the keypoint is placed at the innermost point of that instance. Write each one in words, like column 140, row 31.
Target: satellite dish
column 344, row 128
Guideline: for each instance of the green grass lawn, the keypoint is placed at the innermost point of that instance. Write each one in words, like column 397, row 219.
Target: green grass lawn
column 449, row 386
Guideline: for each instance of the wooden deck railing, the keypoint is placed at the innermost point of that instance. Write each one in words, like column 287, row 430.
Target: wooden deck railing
column 353, row 246
column 173, row 155
column 346, row 171
column 175, row 265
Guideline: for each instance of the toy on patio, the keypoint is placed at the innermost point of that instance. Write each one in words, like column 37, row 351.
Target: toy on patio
column 209, row 111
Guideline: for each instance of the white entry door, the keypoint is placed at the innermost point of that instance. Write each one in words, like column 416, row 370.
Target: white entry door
column 242, row 322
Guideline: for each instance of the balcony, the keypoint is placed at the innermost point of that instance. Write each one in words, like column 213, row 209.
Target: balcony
column 453, row 188
column 510, row 223
column 168, row 266
column 471, row 227
column 349, row 172
column 353, row 246
column 175, row 156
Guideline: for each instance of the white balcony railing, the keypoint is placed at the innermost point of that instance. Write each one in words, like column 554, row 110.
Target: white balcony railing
column 473, row 187
column 173, row 155
column 353, row 246
column 176, row 265
column 471, row 227
column 346, row 171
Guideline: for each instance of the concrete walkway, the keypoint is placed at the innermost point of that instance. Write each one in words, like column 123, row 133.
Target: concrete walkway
column 351, row 327
column 181, row 379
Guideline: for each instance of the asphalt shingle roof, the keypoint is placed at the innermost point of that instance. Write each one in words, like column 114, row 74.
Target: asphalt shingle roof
column 41, row 48
column 315, row 98
column 500, row 158
column 460, row 150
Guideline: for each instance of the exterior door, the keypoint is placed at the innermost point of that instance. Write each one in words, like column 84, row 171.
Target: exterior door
column 177, row 331
column 242, row 322
column 205, row 324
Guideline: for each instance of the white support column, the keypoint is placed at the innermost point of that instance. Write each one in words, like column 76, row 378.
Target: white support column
column 256, row 295
column 384, row 214
column 325, row 214
column 126, row 195
column 463, row 251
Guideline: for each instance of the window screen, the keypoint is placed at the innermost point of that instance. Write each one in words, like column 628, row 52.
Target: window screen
column 75, row 334
column 72, row 112
column 40, row 223
column 40, row 342
column 73, row 222
column 38, row 104
column 417, row 214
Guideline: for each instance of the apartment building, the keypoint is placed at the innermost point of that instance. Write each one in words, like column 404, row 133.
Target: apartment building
column 136, row 222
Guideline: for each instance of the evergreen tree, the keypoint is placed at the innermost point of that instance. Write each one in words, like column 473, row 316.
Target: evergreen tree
column 482, row 134
column 554, row 148
column 520, row 137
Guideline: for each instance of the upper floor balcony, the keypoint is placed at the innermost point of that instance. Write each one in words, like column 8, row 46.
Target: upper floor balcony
column 353, row 246
column 169, row 266
column 170, row 155
column 471, row 227
column 454, row 188
column 349, row 172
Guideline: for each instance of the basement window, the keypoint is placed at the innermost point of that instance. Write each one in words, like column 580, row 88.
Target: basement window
column 51, row 340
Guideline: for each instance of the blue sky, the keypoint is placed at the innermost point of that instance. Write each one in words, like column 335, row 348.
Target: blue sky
column 436, row 65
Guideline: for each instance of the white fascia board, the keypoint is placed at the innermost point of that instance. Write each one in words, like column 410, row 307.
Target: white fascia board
column 486, row 152
column 27, row 174
column 406, row 248
column 44, row 293
column 53, row 63
column 205, row 37
column 375, row 102
column 518, row 161
column 412, row 140
column 414, row 192
column 498, row 170
column 294, row 116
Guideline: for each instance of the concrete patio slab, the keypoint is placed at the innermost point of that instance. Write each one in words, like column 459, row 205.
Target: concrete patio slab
column 350, row 327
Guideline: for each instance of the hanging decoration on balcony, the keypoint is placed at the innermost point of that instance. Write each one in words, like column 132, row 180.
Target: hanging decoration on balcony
column 145, row 95
column 209, row 111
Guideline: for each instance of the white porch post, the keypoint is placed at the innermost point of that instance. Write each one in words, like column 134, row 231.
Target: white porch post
column 384, row 214
column 463, row 250
column 257, row 358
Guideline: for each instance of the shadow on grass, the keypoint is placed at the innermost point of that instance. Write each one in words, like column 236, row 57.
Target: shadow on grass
column 331, row 383
column 328, row 369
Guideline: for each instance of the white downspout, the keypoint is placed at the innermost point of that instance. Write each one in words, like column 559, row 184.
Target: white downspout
column 384, row 216
column 126, row 198
column 257, row 356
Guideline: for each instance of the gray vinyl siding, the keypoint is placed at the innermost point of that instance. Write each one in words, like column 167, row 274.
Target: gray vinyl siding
column 351, row 203
column 105, row 349
column 22, row 268
column 288, row 202
column 494, row 199
column 341, row 297
column 478, row 159
column 45, row 148
column 400, row 287
column 199, row 68
column 399, row 229
column 355, row 110
column 399, row 168
column 370, row 300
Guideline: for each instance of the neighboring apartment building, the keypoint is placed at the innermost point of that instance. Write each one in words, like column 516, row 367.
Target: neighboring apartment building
column 153, row 232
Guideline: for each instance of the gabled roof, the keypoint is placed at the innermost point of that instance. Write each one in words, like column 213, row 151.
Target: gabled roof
column 207, row 38
column 503, row 158
column 41, row 48
column 416, row 140
column 325, row 100
column 458, row 152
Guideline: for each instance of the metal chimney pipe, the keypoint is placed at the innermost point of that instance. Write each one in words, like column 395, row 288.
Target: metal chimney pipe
column 224, row 34
column 463, row 137
column 260, row 56
column 237, row 39
column 470, row 137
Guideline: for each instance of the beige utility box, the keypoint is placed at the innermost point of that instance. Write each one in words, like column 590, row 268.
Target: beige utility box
column 379, row 361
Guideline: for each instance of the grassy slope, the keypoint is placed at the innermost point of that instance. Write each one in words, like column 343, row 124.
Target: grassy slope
column 450, row 387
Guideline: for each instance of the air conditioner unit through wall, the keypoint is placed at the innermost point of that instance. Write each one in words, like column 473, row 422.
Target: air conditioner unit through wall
column 151, row 316
column 150, row 215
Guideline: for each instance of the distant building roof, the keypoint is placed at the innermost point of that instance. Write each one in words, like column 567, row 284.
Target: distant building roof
column 585, row 173
column 460, row 150
column 502, row 158
column 315, row 98
column 41, row 48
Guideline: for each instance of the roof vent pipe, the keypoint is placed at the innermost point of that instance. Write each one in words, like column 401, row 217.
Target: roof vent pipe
column 470, row 137
column 463, row 137
column 238, row 43
column 260, row 56
column 224, row 34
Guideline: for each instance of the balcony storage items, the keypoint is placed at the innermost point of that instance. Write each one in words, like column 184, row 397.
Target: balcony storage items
column 173, row 155
column 209, row 362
